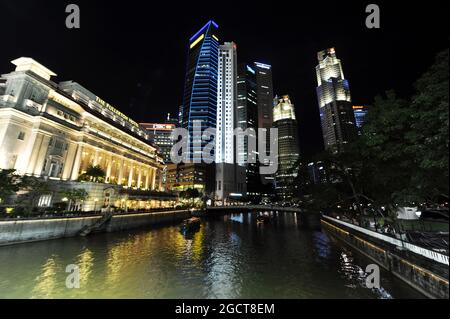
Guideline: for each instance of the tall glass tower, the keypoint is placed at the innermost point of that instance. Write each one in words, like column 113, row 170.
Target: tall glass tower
column 333, row 94
column 264, row 92
column 200, row 88
column 247, row 117
column 288, row 148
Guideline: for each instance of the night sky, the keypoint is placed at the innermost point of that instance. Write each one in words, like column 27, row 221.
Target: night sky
column 133, row 53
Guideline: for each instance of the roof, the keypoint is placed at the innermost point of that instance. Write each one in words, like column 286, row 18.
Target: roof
column 29, row 64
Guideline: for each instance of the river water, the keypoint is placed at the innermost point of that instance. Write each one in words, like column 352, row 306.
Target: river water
column 230, row 256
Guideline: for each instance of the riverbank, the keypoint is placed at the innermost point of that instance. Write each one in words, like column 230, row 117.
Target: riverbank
column 18, row 231
column 424, row 270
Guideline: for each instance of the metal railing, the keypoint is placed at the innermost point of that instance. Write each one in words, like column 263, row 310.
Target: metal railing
column 443, row 259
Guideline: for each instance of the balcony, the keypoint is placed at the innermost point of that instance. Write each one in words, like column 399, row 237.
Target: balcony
column 4, row 99
column 32, row 105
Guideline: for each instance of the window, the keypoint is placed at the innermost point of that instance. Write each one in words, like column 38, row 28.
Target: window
column 45, row 200
column 21, row 136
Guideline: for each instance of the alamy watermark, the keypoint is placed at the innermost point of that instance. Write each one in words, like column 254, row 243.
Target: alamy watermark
column 73, row 279
column 373, row 19
column 199, row 146
column 73, row 19
column 373, row 277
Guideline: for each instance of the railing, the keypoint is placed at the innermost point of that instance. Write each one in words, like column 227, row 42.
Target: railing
column 443, row 259
column 32, row 104
column 256, row 207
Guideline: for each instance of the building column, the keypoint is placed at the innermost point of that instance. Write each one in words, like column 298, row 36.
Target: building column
column 34, row 154
column 41, row 156
column 24, row 157
column 153, row 177
column 130, row 176
column 139, row 178
column 69, row 160
column 95, row 162
column 147, row 178
column 76, row 163
column 108, row 170
column 119, row 179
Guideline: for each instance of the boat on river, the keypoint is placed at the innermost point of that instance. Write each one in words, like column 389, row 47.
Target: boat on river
column 190, row 225
column 263, row 219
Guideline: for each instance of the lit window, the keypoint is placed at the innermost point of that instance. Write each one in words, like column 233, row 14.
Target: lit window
column 45, row 200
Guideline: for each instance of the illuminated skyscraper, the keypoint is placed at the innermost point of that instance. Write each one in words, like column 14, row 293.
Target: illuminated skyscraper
column 230, row 178
column 264, row 92
column 200, row 88
column 360, row 113
column 288, row 148
column 226, row 102
column 247, row 117
column 333, row 93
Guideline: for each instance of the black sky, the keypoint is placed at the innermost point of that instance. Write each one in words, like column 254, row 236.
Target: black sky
column 133, row 53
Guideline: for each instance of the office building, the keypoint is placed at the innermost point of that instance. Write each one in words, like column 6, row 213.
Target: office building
column 284, row 120
column 247, row 118
column 264, row 93
column 333, row 93
column 230, row 177
column 360, row 112
column 200, row 88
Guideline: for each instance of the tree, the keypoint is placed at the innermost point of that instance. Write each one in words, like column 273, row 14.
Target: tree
column 34, row 188
column 74, row 195
column 10, row 183
column 93, row 174
column 190, row 193
column 406, row 141
column 402, row 156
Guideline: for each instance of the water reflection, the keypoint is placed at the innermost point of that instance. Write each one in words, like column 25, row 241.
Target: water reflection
column 46, row 282
column 229, row 256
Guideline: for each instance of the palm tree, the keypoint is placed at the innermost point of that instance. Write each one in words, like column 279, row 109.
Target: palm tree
column 93, row 174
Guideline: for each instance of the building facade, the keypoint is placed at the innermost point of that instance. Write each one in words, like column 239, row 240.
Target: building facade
column 285, row 121
column 264, row 93
column 247, row 118
column 230, row 177
column 200, row 88
column 160, row 135
column 360, row 112
column 333, row 93
column 226, row 103
column 57, row 131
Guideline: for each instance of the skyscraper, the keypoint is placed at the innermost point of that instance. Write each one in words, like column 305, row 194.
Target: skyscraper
column 230, row 178
column 247, row 117
column 200, row 102
column 160, row 135
column 264, row 92
column 200, row 88
column 226, row 103
column 360, row 112
column 333, row 94
column 288, row 148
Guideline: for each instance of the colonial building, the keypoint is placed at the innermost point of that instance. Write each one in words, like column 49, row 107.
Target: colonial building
column 57, row 130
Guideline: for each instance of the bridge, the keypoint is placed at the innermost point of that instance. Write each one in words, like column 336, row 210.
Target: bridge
column 256, row 208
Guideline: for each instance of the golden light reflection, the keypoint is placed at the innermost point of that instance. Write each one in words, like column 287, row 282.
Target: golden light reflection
column 85, row 262
column 46, row 282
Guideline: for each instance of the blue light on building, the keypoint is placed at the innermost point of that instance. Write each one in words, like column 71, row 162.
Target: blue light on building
column 200, row 88
column 360, row 112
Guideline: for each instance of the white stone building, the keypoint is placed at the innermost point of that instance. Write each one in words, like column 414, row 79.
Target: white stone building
column 56, row 130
